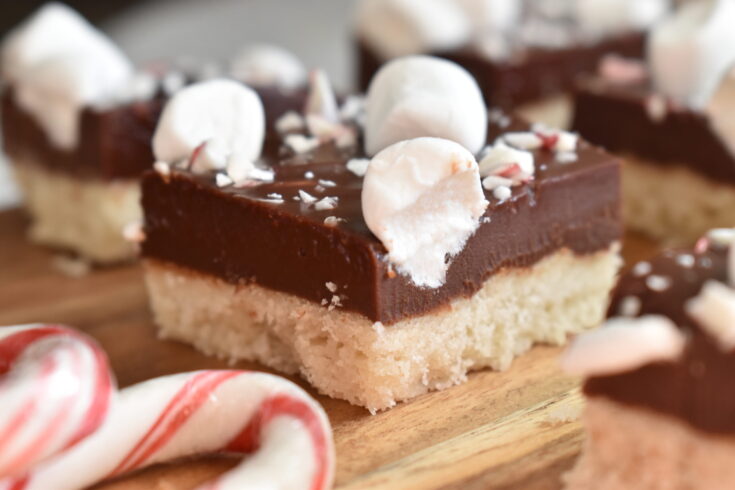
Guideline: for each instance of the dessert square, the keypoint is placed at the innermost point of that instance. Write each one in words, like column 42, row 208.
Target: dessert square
column 671, row 118
column 78, row 120
column 656, row 375
column 679, row 161
column 520, row 52
column 287, row 273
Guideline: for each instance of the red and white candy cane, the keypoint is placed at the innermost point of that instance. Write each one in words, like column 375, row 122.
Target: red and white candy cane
column 286, row 431
column 55, row 389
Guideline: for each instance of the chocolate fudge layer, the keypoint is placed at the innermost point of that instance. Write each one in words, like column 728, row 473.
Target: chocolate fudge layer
column 694, row 388
column 648, row 127
column 528, row 73
column 114, row 142
column 247, row 235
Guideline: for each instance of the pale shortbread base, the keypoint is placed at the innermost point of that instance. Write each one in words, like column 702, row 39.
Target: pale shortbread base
column 635, row 448
column 674, row 204
column 347, row 356
column 83, row 215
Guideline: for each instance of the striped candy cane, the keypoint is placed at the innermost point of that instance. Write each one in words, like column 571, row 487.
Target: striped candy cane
column 286, row 431
column 55, row 389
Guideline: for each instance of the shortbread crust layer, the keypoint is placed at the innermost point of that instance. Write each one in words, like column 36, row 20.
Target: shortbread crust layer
column 86, row 216
column 345, row 355
column 674, row 204
column 631, row 447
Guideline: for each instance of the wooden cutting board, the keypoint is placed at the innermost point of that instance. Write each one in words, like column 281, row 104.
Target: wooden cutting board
column 515, row 429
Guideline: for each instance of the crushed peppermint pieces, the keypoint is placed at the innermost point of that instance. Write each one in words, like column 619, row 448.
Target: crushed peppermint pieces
column 306, row 198
column 301, row 144
column 290, row 122
column 358, row 166
column 502, row 193
column 326, row 203
column 274, row 195
column 223, row 180
column 566, row 157
column 492, row 182
column 562, row 143
column 327, row 183
column 334, row 303
column 503, row 167
column 332, row 287
column 309, row 175
column 641, row 269
column 658, row 283
column 685, row 260
column 162, row 168
column 629, row 306
column 332, row 220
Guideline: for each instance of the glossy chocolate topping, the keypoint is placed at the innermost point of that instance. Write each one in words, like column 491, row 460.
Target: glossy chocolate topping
column 698, row 387
column 676, row 136
column 529, row 74
column 113, row 142
column 241, row 235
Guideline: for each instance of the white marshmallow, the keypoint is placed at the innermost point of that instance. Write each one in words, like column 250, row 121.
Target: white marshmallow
column 605, row 17
column 492, row 15
column 423, row 199
column 424, row 96
column 691, row 52
column 226, row 114
column 622, row 345
column 396, row 28
column 57, row 63
column 268, row 65
column 714, row 310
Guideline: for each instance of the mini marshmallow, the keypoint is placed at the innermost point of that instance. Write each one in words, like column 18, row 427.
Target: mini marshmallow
column 714, row 310
column 622, row 345
column 395, row 28
column 268, row 65
column 424, row 96
column 423, row 199
column 322, row 101
column 226, row 114
column 691, row 52
column 492, row 15
column 58, row 63
column 605, row 17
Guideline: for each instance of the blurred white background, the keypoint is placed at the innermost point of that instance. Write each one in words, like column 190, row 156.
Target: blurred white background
column 318, row 31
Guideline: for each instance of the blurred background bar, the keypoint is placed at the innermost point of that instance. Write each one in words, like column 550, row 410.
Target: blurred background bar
column 317, row 31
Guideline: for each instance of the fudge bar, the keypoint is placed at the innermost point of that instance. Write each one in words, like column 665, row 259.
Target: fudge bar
column 679, row 154
column 659, row 409
column 78, row 148
column 519, row 51
column 288, row 269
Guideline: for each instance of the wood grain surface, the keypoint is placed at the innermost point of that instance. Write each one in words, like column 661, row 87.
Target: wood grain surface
column 512, row 430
